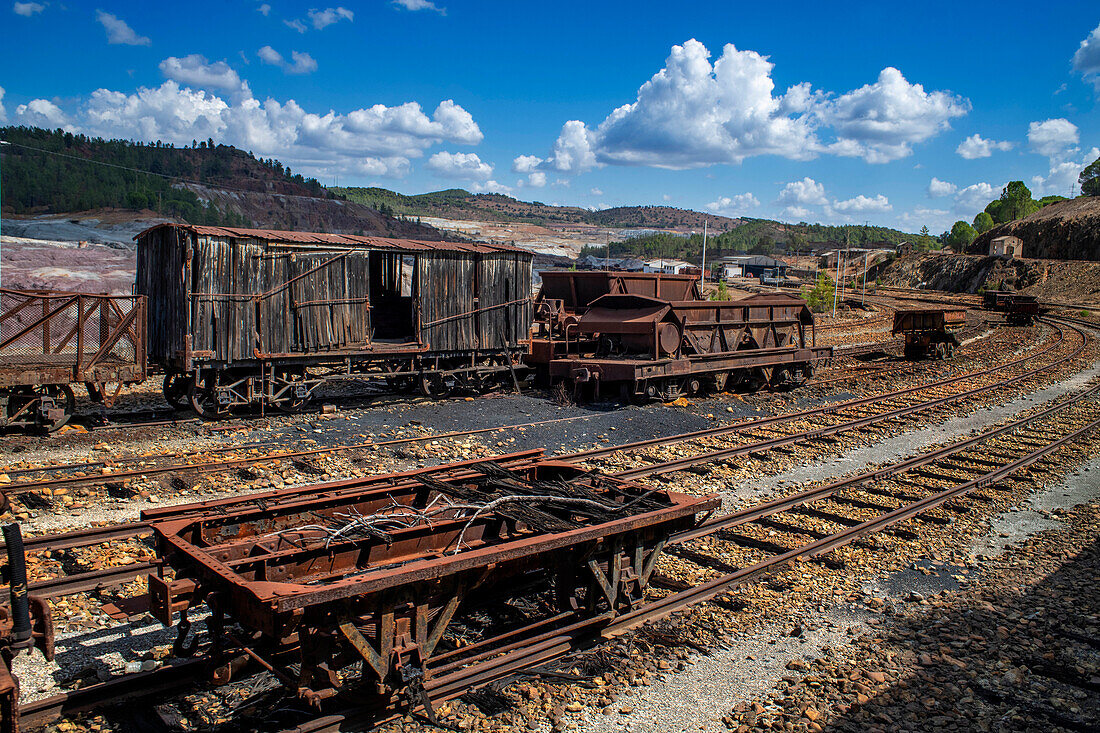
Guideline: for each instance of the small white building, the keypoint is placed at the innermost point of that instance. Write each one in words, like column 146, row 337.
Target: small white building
column 730, row 270
column 1006, row 246
column 667, row 267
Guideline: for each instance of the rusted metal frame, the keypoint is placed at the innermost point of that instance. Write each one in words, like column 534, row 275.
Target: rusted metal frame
column 474, row 312
column 26, row 301
column 74, row 330
column 43, row 320
column 609, row 585
column 113, row 338
column 89, row 581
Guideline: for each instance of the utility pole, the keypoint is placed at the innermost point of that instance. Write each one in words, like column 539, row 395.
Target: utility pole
column 704, row 267
column 606, row 250
column 2, row 142
column 864, row 296
column 836, row 284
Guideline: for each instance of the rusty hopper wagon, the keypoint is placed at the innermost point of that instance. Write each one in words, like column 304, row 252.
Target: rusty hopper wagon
column 1019, row 310
column 371, row 588
column 251, row 316
column 651, row 347
column 50, row 340
column 929, row 331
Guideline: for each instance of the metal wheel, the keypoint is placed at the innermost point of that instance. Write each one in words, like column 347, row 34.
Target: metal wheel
column 175, row 390
column 298, row 394
column 401, row 384
column 202, row 395
column 63, row 399
column 436, row 385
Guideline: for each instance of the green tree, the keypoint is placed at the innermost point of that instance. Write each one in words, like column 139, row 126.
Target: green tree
column 983, row 222
column 1090, row 179
column 961, row 235
column 1016, row 201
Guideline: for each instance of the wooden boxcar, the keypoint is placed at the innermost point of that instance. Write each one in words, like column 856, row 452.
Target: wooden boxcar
column 1019, row 310
column 253, row 316
column 929, row 330
column 51, row 339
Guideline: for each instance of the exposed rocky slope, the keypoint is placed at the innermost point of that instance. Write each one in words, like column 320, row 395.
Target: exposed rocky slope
column 1068, row 230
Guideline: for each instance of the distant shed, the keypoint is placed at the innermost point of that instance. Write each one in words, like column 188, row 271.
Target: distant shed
column 226, row 295
column 1006, row 246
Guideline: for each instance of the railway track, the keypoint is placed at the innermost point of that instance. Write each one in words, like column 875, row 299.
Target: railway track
column 454, row 677
column 813, row 524
column 105, row 577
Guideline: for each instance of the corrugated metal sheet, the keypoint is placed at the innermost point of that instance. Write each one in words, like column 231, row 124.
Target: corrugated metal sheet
column 342, row 240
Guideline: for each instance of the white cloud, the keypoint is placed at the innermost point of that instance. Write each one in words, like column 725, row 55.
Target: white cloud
column 419, row 5
column 861, row 204
column 296, row 25
column 302, row 63
column 466, row 166
column 935, row 219
column 694, row 113
column 593, row 191
column 27, row 9
column 264, row 9
column 3, row 112
column 804, row 192
column 881, row 122
column 118, row 31
column 372, row 141
column 733, row 206
column 976, row 146
column 526, row 163
column 328, row 16
column 196, row 71
column 1062, row 177
column 1086, row 60
column 41, row 113
column 491, row 187
column 937, row 188
column 1052, row 137
column 666, row 197
column 536, row 179
column 974, row 197
column 797, row 213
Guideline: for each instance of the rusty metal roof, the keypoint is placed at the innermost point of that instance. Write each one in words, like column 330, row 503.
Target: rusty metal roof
column 341, row 240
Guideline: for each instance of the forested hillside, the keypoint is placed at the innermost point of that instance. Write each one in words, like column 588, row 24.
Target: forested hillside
column 36, row 182
column 758, row 236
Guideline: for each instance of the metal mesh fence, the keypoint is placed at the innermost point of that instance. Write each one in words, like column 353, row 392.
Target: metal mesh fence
column 57, row 328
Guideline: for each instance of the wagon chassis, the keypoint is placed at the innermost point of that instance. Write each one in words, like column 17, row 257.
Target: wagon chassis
column 328, row 610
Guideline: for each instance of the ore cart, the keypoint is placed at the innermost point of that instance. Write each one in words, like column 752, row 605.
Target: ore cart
column 392, row 573
column 1019, row 310
column 50, row 340
column 259, row 317
column 648, row 347
column 929, row 331
column 565, row 295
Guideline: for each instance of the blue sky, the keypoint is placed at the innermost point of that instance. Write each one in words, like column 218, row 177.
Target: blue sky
column 902, row 116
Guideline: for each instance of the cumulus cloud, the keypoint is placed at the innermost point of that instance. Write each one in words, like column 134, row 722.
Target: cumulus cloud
column 119, row 31
column 593, row 191
column 938, row 188
column 695, row 113
column 467, row 166
column 296, row 25
column 881, row 122
column 800, row 213
column 27, row 9
column 491, row 187
column 301, row 62
column 976, row 146
column 419, row 5
column 526, row 163
column 536, row 179
column 862, row 204
column 733, row 206
column 372, row 141
column 1052, row 137
column 3, row 112
column 1062, row 176
column 1086, row 60
column 264, row 9
column 934, row 219
column 41, row 113
column 975, row 197
column 324, row 18
column 195, row 70
column 806, row 192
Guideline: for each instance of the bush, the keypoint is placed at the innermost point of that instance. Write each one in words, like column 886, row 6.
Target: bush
column 820, row 297
column 722, row 293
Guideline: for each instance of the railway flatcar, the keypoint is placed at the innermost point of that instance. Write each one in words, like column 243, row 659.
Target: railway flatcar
column 929, row 331
column 648, row 347
column 51, row 340
column 242, row 317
